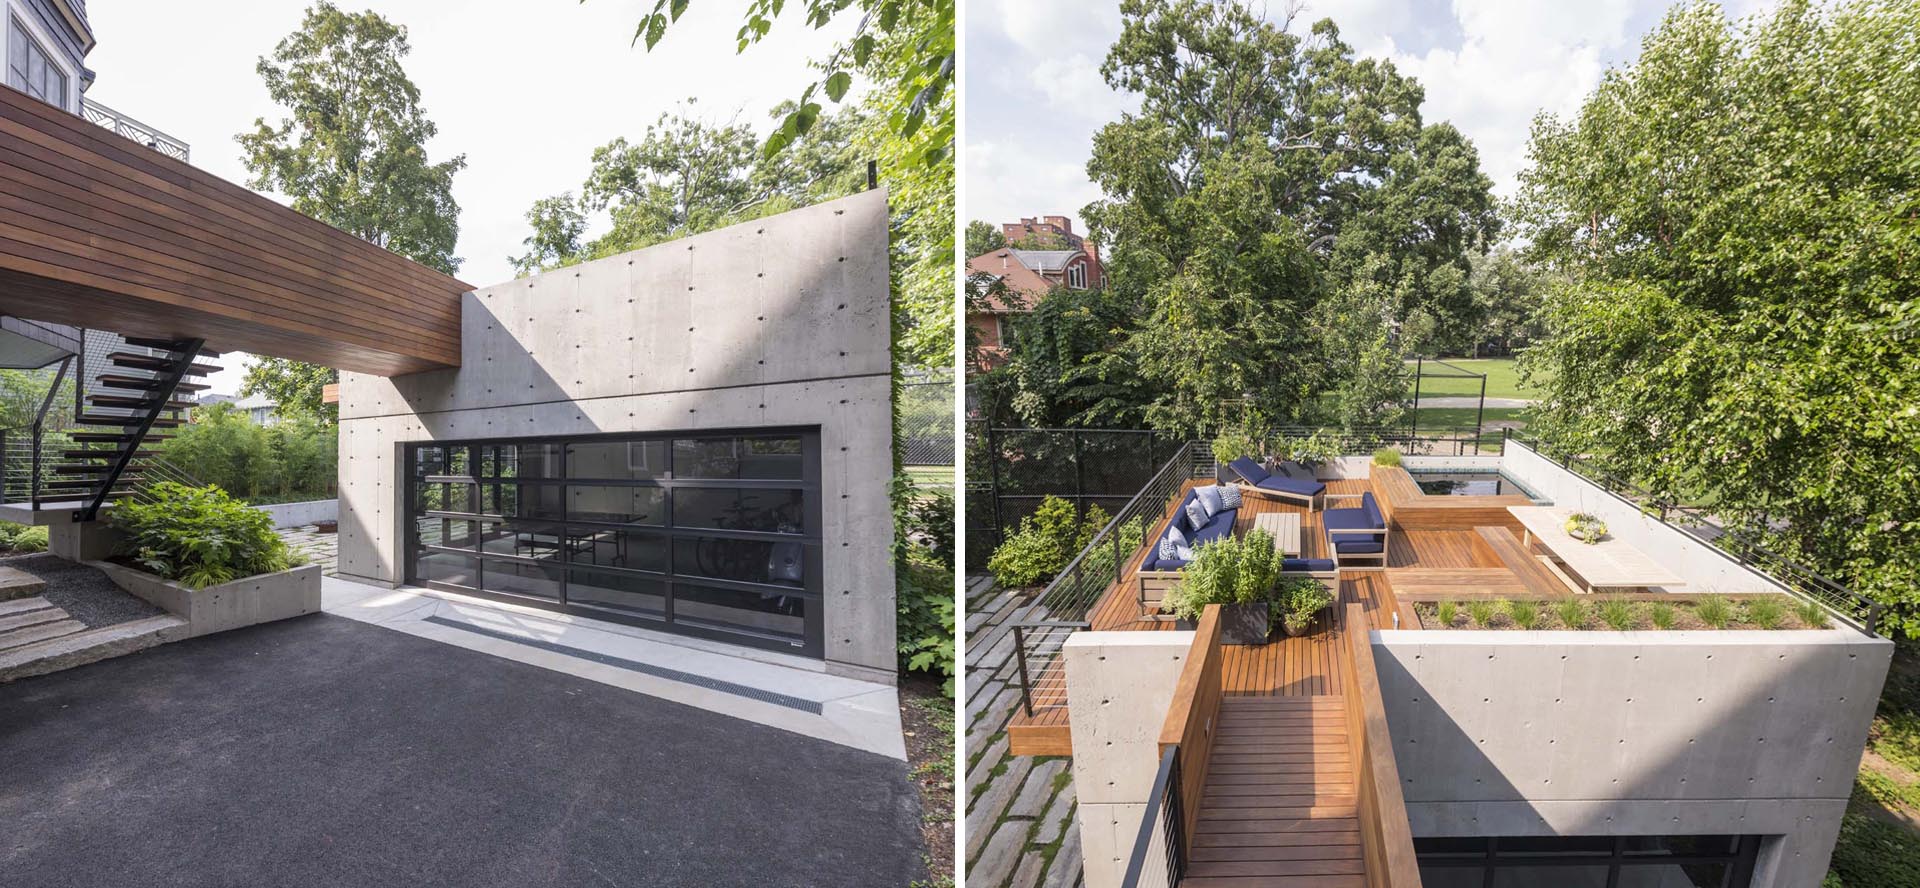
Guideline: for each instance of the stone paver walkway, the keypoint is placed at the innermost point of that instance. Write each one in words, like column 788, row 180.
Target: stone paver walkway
column 321, row 548
column 1021, row 826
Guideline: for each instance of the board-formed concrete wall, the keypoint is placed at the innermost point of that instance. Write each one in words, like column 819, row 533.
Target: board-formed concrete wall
column 779, row 322
column 1634, row 733
column 1119, row 685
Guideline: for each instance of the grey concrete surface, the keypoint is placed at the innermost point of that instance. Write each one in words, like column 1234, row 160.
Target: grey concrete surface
column 1634, row 733
column 778, row 322
column 82, row 591
column 248, row 601
column 325, row 752
column 297, row 514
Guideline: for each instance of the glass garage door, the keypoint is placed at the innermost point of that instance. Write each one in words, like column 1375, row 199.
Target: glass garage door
column 716, row 535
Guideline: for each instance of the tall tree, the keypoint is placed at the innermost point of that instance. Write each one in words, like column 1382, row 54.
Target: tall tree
column 983, row 238
column 1265, row 174
column 1736, row 214
column 684, row 176
column 905, row 49
column 351, row 153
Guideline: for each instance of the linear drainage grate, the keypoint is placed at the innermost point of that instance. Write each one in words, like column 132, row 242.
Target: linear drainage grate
column 712, row 684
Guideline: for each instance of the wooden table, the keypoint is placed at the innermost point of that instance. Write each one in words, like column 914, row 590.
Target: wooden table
column 1609, row 565
column 1285, row 529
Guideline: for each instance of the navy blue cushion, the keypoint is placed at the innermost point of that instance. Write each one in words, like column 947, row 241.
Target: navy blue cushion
column 1347, row 519
column 1373, row 510
column 1306, row 565
column 1357, row 545
column 1167, row 564
column 1219, row 528
column 1298, row 486
column 1248, row 470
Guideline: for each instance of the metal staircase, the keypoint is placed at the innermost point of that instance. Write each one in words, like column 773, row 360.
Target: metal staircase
column 105, row 460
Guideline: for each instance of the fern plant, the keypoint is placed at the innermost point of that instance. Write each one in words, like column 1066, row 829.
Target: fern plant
column 200, row 536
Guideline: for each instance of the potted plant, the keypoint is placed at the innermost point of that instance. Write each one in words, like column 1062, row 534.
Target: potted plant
column 1300, row 457
column 1231, row 445
column 1586, row 527
column 1301, row 599
column 1237, row 574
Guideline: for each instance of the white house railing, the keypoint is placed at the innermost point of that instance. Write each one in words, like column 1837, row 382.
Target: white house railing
column 133, row 129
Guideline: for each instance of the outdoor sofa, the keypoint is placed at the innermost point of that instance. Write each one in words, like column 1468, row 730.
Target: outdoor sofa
column 1156, row 574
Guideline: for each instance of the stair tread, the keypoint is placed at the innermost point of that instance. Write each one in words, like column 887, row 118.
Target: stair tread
column 39, row 633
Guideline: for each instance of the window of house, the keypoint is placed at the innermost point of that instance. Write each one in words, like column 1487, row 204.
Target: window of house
column 716, row 535
column 1077, row 276
column 31, row 69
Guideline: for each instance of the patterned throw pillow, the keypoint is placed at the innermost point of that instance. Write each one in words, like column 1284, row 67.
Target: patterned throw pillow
column 1197, row 515
column 1172, row 543
column 1229, row 496
column 1209, row 496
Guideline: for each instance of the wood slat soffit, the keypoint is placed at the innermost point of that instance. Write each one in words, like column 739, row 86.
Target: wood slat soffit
column 97, row 230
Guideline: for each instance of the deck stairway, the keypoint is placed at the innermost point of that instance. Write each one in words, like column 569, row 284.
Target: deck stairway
column 1279, row 806
column 139, row 394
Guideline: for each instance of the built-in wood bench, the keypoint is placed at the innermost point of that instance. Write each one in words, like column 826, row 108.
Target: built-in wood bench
column 1533, row 575
column 1439, row 583
column 1409, row 507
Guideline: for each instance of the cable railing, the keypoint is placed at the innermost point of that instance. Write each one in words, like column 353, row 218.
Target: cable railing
column 1742, row 547
column 1157, row 860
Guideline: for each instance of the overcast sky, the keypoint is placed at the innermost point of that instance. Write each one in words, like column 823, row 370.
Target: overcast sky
column 1035, row 97
column 525, row 88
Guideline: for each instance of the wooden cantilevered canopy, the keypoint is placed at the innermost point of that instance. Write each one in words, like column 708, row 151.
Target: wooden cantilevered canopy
column 99, row 231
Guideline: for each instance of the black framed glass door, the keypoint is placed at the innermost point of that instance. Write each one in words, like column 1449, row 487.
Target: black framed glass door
column 1692, row 861
column 715, row 534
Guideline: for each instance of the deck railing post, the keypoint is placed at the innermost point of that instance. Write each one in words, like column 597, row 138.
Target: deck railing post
column 1020, row 657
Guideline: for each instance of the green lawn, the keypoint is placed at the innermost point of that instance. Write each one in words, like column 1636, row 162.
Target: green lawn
column 932, row 477
column 1437, row 418
column 1502, row 380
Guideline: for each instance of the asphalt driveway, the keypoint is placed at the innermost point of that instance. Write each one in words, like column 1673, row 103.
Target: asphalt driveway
column 327, row 752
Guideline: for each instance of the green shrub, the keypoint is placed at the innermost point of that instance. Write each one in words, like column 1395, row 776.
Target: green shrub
column 1386, row 456
column 1662, row 615
column 1812, row 614
column 1045, row 543
column 1572, row 612
column 1524, row 613
column 1447, row 612
column 1766, row 613
column 1482, row 611
column 32, row 539
column 1232, row 445
column 1714, row 611
column 1231, row 570
column 924, row 579
column 199, row 536
column 1871, row 854
column 1617, row 613
column 294, row 459
column 1299, row 598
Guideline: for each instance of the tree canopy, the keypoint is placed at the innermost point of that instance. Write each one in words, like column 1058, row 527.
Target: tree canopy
column 1287, row 223
column 1736, row 215
column 351, row 152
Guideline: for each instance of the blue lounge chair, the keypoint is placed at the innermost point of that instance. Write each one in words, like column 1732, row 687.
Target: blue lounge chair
column 1357, row 534
column 1260, row 482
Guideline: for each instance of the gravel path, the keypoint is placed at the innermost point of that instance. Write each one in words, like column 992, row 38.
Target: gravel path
column 82, row 591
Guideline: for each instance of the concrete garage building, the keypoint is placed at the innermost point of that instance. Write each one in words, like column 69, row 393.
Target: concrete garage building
column 692, row 437
column 1388, row 747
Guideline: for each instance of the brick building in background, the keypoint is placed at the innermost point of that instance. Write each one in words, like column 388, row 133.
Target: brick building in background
column 1042, row 255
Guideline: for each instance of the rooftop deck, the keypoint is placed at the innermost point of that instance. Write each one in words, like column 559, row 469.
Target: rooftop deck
column 1445, row 552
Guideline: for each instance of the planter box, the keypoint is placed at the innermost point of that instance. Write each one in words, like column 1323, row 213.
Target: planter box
column 243, row 602
column 1244, row 623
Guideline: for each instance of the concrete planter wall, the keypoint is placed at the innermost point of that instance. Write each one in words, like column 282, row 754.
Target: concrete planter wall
column 243, row 602
column 302, row 514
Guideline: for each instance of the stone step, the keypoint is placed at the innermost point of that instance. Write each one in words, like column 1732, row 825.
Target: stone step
column 23, row 605
column 80, row 648
column 35, row 617
column 17, row 583
column 27, row 636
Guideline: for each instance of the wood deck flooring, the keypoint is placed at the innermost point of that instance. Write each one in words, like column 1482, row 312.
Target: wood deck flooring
column 1455, row 560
